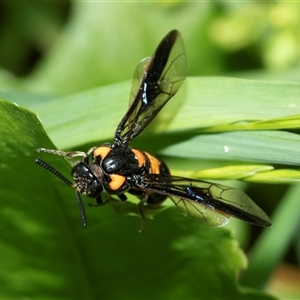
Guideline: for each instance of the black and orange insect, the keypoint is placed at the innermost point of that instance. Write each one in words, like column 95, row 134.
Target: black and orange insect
column 118, row 169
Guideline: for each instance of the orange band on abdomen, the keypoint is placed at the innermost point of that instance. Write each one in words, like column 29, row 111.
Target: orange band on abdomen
column 154, row 164
column 140, row 156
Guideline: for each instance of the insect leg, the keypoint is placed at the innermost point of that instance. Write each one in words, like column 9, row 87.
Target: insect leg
column 99, row 201
column 62, row 153
column 67, row 154
column 143, row 200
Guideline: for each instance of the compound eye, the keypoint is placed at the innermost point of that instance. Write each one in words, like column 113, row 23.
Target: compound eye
column 81, row 169
column 94, row 189
column 86, row 181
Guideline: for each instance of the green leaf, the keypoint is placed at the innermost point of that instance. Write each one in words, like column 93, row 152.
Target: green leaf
column 250, row 173
column 45, row 252
column 268, row 251
column 91, row 118
column 289, row 122
column 48, row 254
column 229, row 172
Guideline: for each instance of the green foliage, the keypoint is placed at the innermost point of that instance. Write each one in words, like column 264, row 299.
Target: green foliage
column 50, row 255
column 216, row 128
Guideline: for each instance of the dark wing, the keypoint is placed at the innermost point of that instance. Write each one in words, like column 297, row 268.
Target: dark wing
column 159, row 78
column 209, row 203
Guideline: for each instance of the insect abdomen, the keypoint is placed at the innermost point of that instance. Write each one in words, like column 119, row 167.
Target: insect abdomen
column 150, row 164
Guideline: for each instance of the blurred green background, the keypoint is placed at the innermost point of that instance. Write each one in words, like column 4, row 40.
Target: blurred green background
column 72, row 64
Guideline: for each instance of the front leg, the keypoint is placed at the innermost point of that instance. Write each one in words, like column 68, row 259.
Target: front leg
column 122, row 197
column 99, row 201
column 68, row 155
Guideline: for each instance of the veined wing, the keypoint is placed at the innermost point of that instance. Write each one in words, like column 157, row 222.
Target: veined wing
column 159, row 79
column 209, row 203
